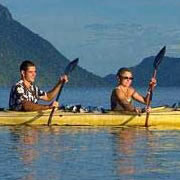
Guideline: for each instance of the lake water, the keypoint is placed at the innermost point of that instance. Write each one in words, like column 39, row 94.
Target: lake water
column 89, row 153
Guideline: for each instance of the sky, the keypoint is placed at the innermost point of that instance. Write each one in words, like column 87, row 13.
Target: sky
column 104, row 34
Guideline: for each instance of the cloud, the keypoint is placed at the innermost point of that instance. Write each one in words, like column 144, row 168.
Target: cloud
column 126, row 44
column 131, row 34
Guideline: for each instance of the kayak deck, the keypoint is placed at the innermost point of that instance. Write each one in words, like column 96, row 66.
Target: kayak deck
column 159, row 117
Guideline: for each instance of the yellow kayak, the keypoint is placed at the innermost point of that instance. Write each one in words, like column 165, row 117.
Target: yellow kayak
column 159, row 117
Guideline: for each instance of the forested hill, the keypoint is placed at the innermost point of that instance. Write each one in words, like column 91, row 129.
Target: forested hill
column 168, row 72
column 18, row 43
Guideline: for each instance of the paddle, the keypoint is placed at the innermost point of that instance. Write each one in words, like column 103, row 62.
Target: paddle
column 70, row 67
column 158, row 59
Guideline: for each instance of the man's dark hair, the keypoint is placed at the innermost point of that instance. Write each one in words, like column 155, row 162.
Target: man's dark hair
column 25, row 64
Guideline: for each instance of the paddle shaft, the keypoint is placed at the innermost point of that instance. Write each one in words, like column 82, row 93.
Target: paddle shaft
column 149, row 98
column 69, row 68
column 53, row 109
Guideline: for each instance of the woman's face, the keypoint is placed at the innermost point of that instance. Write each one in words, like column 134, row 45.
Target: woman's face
column 126, row 79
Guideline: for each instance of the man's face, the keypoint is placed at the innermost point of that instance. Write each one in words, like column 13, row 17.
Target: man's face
column 30, row 74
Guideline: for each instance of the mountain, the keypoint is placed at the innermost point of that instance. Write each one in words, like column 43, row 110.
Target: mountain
column 168, row 72
column 111, row 79
column 18, row 43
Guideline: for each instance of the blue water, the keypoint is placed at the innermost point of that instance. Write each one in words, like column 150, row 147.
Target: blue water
column 101, row 96
column 89, row 153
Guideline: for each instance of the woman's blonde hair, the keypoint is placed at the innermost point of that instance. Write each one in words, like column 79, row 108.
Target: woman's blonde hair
column 121, row 71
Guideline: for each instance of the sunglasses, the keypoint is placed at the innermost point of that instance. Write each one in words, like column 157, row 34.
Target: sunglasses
column 127, row 78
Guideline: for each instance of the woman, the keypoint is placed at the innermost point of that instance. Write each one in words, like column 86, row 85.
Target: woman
column 124, row 93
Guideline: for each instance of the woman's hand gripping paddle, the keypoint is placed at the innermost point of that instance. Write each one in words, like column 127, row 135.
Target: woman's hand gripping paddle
column 158, row 59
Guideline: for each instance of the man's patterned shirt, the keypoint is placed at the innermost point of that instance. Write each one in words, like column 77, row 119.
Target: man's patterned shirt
column 20, row 93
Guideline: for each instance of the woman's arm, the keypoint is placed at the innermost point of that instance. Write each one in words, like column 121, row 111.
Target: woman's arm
column 138, row 97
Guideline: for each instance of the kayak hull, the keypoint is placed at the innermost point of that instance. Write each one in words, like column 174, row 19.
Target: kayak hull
column 164, row 117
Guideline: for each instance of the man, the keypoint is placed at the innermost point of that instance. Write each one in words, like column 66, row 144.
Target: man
column 24, row 94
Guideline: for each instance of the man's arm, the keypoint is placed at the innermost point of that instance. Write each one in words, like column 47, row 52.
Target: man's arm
column 30, row 106
column 50, row 95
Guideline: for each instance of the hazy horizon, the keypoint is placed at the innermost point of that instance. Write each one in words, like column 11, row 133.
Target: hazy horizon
column 105, row 34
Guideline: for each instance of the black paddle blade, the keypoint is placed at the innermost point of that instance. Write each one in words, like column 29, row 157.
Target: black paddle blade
column 159, row 57
column 70, row 67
